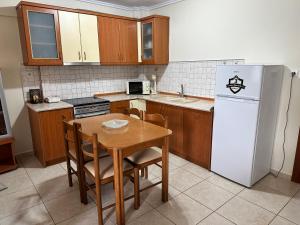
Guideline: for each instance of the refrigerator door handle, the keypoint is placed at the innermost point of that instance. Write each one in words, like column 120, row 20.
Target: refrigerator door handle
column 237, row 98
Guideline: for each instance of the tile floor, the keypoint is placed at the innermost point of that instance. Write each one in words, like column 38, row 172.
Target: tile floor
column 42, row 196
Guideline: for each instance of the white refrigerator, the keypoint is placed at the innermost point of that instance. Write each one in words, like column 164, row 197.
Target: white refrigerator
column 247, row 99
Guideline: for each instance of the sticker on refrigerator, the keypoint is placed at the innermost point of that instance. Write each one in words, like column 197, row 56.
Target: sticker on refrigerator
column 235, row 84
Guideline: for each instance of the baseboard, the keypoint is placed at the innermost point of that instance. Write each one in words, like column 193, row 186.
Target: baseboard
column 282, row 175
column 24, row 152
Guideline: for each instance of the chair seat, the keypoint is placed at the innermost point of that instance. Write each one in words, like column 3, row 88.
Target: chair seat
column 145, row 156
column 88, row 148
column 106, row 167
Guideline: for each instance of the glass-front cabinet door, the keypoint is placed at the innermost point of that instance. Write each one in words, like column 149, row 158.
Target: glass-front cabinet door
column 147, row 41
column 42, row 36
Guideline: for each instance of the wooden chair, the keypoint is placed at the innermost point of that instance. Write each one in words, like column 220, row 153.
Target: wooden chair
column 100, row 170
column 134, row 112
column 72, row 154
column 142, row 159
column 71, row 150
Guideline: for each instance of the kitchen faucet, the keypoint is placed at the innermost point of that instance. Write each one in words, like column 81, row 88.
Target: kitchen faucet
column 181, row 93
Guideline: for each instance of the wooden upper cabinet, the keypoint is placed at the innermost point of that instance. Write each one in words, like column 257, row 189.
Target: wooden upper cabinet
column 155, row 40
column 109, row 40
column 89, row 38
column 40, row 35
column 79, row 38
column 128, row 42
column 117, row 40
column 70, row 37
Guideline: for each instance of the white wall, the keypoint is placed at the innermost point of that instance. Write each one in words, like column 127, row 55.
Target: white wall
column 11, row 59
column 259, row 31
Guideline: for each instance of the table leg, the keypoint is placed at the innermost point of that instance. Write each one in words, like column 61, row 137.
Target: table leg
column 119, row 191
column 165, row 169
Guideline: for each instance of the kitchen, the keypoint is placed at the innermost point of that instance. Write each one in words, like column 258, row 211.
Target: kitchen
column 191, row 63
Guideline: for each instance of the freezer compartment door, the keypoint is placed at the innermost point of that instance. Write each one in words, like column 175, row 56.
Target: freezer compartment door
column 239, row 81
column 234, row 137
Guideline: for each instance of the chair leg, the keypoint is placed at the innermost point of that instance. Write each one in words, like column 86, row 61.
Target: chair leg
column 146, row 172
column 142, row 172
column 99, row 203
column 136, row 188
column 82, row 186
column 69, row 171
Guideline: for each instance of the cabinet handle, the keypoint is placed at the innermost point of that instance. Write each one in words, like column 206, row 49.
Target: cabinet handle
column 84, row 55
column 79, row 55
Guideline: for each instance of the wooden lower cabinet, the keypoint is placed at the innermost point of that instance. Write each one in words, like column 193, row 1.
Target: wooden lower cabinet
column 47, row 134
column 197, row 136
column 192, row 132
column 119, row 106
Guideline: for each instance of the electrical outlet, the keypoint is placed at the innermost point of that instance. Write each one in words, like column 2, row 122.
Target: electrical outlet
column 298, row 74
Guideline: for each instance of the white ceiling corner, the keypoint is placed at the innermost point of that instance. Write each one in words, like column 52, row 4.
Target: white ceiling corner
column 131, row 5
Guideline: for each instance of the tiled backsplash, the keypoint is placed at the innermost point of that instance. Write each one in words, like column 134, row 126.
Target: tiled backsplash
column 198, row 78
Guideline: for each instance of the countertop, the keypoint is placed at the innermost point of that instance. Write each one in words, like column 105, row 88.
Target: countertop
column 41, row 107
column 197, row 103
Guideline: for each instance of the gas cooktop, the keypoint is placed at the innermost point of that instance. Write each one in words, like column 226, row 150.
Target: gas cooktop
column 85, row 101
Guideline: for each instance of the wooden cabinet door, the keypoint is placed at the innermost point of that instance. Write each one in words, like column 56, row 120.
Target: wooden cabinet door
column 109, row 40
column 119, row 106
column 89, row 38
column 197, row 131
column 39, row 35
column 147, row 42
column 155, row 40
column 70, row 37
column 175, row 123
column 52, row 134
column 128, row 42
column 153, row 107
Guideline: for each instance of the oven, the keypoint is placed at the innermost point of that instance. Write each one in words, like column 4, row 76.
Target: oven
column 90, row 106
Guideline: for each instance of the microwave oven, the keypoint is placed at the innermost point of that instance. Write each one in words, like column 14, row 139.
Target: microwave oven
column 138, row 87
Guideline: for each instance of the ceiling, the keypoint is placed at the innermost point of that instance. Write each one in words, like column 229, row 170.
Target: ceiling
column 135, row 3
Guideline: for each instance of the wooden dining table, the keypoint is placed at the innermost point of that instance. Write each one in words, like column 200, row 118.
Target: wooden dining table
column 122, row 142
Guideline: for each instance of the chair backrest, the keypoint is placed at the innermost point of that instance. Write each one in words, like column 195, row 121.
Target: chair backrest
column 70, row 139
column 88, row 146
column 156, row 119
column 133, row 111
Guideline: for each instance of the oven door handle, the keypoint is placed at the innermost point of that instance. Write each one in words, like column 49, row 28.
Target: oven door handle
column 78, row 116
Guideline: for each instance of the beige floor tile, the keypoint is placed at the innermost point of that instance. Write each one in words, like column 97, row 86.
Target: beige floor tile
column 182, row 180
column 89, row 217
column 56, row 187
column 130, row 212
column 14, row 202
column 243, row 212
column 36, row 215
column 176, row 160
column 292, row 210
column 17, row 182
column 155, row 170
column 209, row 195
column 66, row 206
column 184, row 210
column 40, row 175
column 153, row 195
column 265, row 197
column 64, row 165
column 225, row 183
column 281, row 221
column 197, row 170
column 281, row 184
column 151, row 218
column 215, row 219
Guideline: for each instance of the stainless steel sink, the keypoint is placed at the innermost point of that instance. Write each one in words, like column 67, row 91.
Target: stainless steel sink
column 184, row 100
